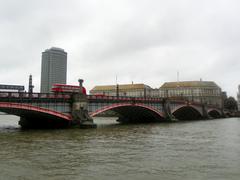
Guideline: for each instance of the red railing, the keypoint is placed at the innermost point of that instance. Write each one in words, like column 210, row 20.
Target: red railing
column 123, row 98
column 33, row 95
column 125, row 104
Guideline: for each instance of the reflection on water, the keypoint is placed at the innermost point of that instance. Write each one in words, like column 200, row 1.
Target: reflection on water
column 188, row 150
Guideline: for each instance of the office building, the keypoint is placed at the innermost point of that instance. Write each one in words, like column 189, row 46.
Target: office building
column 199, row 91
column 132, row 90
column 54, row 68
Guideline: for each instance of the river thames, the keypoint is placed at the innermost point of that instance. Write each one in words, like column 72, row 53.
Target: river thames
column 207, row 149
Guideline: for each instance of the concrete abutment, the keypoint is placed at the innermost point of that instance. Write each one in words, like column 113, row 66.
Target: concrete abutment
column 80, row 115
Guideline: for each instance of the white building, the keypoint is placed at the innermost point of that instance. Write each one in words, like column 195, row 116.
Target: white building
column 54, row 68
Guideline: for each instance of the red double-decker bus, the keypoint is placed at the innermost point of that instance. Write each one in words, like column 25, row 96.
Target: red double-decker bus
column 64, row 88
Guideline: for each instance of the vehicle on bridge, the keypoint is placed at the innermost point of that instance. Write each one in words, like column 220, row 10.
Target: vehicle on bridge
column 11, row 88
column 64, row 88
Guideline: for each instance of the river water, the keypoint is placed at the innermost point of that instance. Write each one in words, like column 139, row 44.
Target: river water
column 207, row 149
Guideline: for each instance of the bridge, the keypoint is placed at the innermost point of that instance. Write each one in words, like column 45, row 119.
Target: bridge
column 41, row 110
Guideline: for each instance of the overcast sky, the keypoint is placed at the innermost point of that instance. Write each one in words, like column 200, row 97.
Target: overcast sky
column 144, row 41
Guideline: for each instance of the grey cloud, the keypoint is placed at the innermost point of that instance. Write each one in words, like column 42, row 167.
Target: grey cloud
column 140, row 40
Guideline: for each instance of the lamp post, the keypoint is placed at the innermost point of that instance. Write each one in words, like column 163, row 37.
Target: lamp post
column 117, row 91
column 80, row 85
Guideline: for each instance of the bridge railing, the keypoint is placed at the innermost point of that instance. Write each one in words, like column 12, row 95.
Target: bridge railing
column 129, row 98
column 180, row 100
column 123, row 98
column 33, row 95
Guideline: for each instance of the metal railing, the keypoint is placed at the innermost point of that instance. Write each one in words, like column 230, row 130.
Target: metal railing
column 123, row 98
column 33, row 95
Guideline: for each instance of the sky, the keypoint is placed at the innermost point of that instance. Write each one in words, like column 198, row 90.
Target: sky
column 140, row 41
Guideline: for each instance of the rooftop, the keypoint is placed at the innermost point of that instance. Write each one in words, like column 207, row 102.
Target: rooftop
column 190, row 84
column 55, row 49
column 121, row 87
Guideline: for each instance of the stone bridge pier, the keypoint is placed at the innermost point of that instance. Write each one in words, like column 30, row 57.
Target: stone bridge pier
column 79, row 112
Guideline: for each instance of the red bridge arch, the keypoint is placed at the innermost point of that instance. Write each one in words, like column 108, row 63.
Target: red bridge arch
column 149, row 111
column 9, row 107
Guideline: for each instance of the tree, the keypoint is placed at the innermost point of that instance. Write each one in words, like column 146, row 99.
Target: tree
column 230, row 104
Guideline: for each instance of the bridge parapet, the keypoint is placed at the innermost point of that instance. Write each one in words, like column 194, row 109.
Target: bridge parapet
column 55, row 102
column 21, row 95
column 122, row 99
column 129, row 107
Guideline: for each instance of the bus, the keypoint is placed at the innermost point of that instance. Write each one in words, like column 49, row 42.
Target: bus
column 64, row 88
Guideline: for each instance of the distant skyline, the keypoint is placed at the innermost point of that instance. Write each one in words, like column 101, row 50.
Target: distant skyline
column 144, row 41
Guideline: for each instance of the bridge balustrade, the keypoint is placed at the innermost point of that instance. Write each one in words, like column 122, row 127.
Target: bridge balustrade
column 124, row 98
column 33, row 95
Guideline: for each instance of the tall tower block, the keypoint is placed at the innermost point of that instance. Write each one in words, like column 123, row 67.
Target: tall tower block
column 54, row 68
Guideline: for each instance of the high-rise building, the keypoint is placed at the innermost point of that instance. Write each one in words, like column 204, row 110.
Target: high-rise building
column 54, row 68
